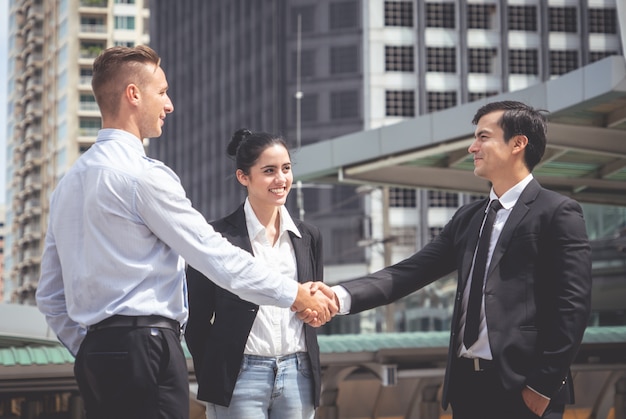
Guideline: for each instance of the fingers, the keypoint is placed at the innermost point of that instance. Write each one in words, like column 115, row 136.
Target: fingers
column 316, row 303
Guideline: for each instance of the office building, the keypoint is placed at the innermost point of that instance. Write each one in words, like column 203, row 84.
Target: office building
column 52, row 114
column 2, row 233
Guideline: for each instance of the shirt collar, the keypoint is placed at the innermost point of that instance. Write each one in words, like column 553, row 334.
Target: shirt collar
column 510, row 197
column 255, row 227
column 108, row 134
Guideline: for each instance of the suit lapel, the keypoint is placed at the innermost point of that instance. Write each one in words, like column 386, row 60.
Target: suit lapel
column 238, row 233
column 302, row 249
column 519, row 211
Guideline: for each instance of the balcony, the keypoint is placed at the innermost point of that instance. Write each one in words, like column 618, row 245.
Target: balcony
column 34, row 12
column 85, row 81
column 90, row 52
column 95, row 28
column 34, row 59
column 35, row 109
column 88, row 132
column 94, row 3
column 88, row 107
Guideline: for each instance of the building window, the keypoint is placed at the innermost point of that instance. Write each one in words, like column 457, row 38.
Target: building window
column 308, row 111
column 523, row 61
column 344, row 15
column 441, row 100
column 128, row 44
column 402, row 198
column 562, row 62
column 307, row 63
column 440, row 15
column 598, row 55
column 125, row 22
column 400, row 103
column 344, row 104
column 308, row 108
column 602, row 21
column 399, row 58
column 523, row 18
column 563, row 19
column 481, row 16
column 441, row 60
column 404, row 236
column 480, row 95
column 89, row 127
column 434, row 232
column 344, row 59
column 124, row 1
column 442, row 199
column 481, row 60
column 399, row 13
column 307, row 19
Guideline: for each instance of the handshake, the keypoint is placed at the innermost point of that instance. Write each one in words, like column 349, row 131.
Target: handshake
column 316, row 303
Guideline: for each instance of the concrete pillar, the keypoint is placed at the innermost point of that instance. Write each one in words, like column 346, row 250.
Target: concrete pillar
column 620, row 398
column 328, row 405
column 77, row 407
column 429, row 405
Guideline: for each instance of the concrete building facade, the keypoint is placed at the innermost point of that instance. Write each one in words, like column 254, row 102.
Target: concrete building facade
column 52, row 114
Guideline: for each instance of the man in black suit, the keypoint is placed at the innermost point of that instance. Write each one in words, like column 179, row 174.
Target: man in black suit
column 533, row 297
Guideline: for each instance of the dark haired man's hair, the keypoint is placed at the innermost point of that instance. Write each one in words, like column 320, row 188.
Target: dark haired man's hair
column 520, row 119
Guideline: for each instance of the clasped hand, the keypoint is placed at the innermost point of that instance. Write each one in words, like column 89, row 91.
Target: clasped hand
column 316, row 303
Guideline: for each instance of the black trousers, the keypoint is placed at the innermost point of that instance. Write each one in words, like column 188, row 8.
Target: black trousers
column 480, row 395
column 133, row 373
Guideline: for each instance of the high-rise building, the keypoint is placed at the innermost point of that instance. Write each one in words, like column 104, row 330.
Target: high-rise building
column 2, row 233
column 52, row 114
column 318, row 70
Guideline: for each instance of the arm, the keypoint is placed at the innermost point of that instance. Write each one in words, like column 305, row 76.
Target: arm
column 51, row 301
column 163, row 207
column 564, row 296
column 389, row 284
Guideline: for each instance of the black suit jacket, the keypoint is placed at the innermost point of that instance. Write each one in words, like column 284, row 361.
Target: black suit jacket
column 537, row 294
column 220, row 322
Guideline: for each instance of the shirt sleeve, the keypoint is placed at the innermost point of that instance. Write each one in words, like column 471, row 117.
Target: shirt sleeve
column 345, row 300
column 50, row 297
column 162, row 205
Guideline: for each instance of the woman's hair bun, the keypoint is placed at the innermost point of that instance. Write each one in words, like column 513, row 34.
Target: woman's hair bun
column 240, row 136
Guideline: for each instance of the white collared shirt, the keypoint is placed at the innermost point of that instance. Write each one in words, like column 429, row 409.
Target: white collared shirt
column 480, row 348
column 119, row 228
column 276, row 331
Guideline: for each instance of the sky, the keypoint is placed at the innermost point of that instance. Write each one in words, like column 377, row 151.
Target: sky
column 4, row 37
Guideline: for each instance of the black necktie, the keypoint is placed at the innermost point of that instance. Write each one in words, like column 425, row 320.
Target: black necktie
column 472, row 318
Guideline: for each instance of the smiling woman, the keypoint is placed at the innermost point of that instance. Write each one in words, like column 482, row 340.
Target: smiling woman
column 246, row 348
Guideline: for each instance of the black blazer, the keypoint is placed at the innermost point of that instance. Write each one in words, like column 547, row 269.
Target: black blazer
column 220, row 322
column 537, row 294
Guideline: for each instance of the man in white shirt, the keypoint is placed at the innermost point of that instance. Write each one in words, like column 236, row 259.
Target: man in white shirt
column 112, row 281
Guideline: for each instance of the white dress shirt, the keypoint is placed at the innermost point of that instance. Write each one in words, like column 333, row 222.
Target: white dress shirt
column 276, row 331
column 119, row 227
column 480, row 348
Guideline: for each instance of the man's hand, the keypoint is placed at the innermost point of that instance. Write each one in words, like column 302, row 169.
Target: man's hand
column 535, row 401
column 315, row 303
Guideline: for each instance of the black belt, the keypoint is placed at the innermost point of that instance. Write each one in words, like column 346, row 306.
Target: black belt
column 137, row 321
column 475, row 364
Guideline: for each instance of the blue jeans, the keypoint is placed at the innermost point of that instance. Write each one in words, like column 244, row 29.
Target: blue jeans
column 270, row 388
